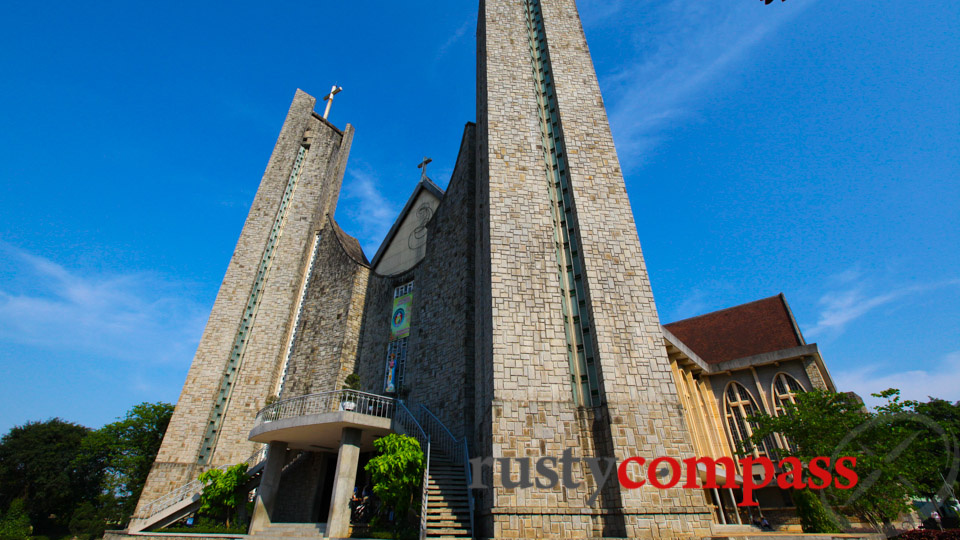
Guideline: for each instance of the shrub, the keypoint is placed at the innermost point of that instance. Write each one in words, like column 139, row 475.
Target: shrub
column 15, row 524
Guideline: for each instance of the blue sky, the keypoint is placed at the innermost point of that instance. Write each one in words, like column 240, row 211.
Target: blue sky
column 805, row 146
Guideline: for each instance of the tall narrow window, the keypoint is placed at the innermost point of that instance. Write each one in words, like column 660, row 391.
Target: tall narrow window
column 739, row 406
column 584, row 376
column 785, row 390
column 232, row 368
column 399, row 338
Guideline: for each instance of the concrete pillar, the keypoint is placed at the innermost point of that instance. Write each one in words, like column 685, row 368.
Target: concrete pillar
column 736, row 510
column 345, row 477
column 716, row 495
column 269, row 486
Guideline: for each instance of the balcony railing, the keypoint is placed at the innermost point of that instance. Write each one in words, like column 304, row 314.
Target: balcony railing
column 328, row 402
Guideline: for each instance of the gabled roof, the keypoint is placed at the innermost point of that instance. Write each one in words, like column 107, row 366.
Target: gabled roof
column 424, row 184
column 349, row 244
column 751, row 329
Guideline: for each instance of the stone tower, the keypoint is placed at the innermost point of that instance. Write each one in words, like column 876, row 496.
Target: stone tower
column 569, row 349
column 242, row 356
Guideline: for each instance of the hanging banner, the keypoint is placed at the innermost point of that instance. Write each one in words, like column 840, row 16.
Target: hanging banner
column 400, row 322
column 390, row 381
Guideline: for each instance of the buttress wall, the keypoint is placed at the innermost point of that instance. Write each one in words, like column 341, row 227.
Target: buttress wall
column 328, row 334
column 256, row 304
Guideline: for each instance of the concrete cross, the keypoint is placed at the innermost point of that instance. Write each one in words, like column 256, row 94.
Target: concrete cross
column 329, row 99
column 423, row 165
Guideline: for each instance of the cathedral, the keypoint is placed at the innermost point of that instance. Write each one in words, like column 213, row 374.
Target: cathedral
column 508, row 316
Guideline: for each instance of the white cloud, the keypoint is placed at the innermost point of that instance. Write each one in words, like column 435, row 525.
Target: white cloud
column 134, row 317
column 370, row 213
column 455, row 37
column 938, row 378
column 840, row 307
column 685, row 47
column 693, row 305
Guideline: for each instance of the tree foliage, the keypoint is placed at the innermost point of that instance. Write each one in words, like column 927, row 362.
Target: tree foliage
column 397, row 472
column 899, row 452
column 15, row 524
column 221, row 492
column 123, row 452
column 71, row 477
column 38, row 465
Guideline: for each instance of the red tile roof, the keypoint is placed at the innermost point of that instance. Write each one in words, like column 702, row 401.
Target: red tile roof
column 758, row 327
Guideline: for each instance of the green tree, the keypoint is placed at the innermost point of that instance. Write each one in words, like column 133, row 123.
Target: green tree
column 397, row 473
column 15, row 524
column 38, row 465
column 88, row 522
column 352, row 382
column 947, row 416
column 892, row 447
column 123, row 452
column 221, row 492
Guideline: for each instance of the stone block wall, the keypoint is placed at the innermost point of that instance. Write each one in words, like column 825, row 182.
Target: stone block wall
column 299, row 493
column 532, row 412
column 328, row 332
column 256, row 376
column 440, row 364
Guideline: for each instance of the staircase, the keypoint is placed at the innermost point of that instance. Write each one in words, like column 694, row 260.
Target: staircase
column 446, row 504
column 448, row 508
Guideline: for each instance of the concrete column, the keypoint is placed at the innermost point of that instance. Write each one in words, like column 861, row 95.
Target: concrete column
column 345, row 477
column 269, row 486
column 716, row 495
column 736, row 510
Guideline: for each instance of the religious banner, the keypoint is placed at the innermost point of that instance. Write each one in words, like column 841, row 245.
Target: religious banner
column 390, row 381
column 400, row 322
column 396, row 359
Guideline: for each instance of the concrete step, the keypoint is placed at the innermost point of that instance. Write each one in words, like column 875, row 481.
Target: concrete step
column 280, row 531
column 443, row 506
column 456, row 533
column 447, row 497
column 463, row 516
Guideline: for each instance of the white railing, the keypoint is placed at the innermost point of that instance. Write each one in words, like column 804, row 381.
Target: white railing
column 327, row 402
column 190, row 489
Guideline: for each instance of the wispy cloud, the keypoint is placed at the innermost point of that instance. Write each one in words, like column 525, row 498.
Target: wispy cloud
column 854, row 295
column 457, row 35
column 134, row 317
column 685, row 49
column 694, row 304
column 939, row 378
column 369, row 213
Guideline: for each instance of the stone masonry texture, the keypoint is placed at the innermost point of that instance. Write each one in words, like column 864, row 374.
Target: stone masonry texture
column 531, row 405
column 316, row 192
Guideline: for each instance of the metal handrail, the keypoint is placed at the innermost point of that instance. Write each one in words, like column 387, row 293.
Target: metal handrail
column 455, row 448
column 412, row 426
column 469, row 477
column 326, row 402
column 450, row 443
column 425, row 490
column 190, row 489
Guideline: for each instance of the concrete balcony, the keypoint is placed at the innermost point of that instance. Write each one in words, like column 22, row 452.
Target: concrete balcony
column 315, row 422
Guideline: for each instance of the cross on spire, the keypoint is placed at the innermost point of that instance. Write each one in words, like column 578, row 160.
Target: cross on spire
column 423, row 165
column 329, row 99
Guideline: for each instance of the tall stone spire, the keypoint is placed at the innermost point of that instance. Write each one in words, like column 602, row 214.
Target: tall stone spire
column 569, row 348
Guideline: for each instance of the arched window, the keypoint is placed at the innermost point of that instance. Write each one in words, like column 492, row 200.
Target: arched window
column 785, row 390
column 738, row 406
